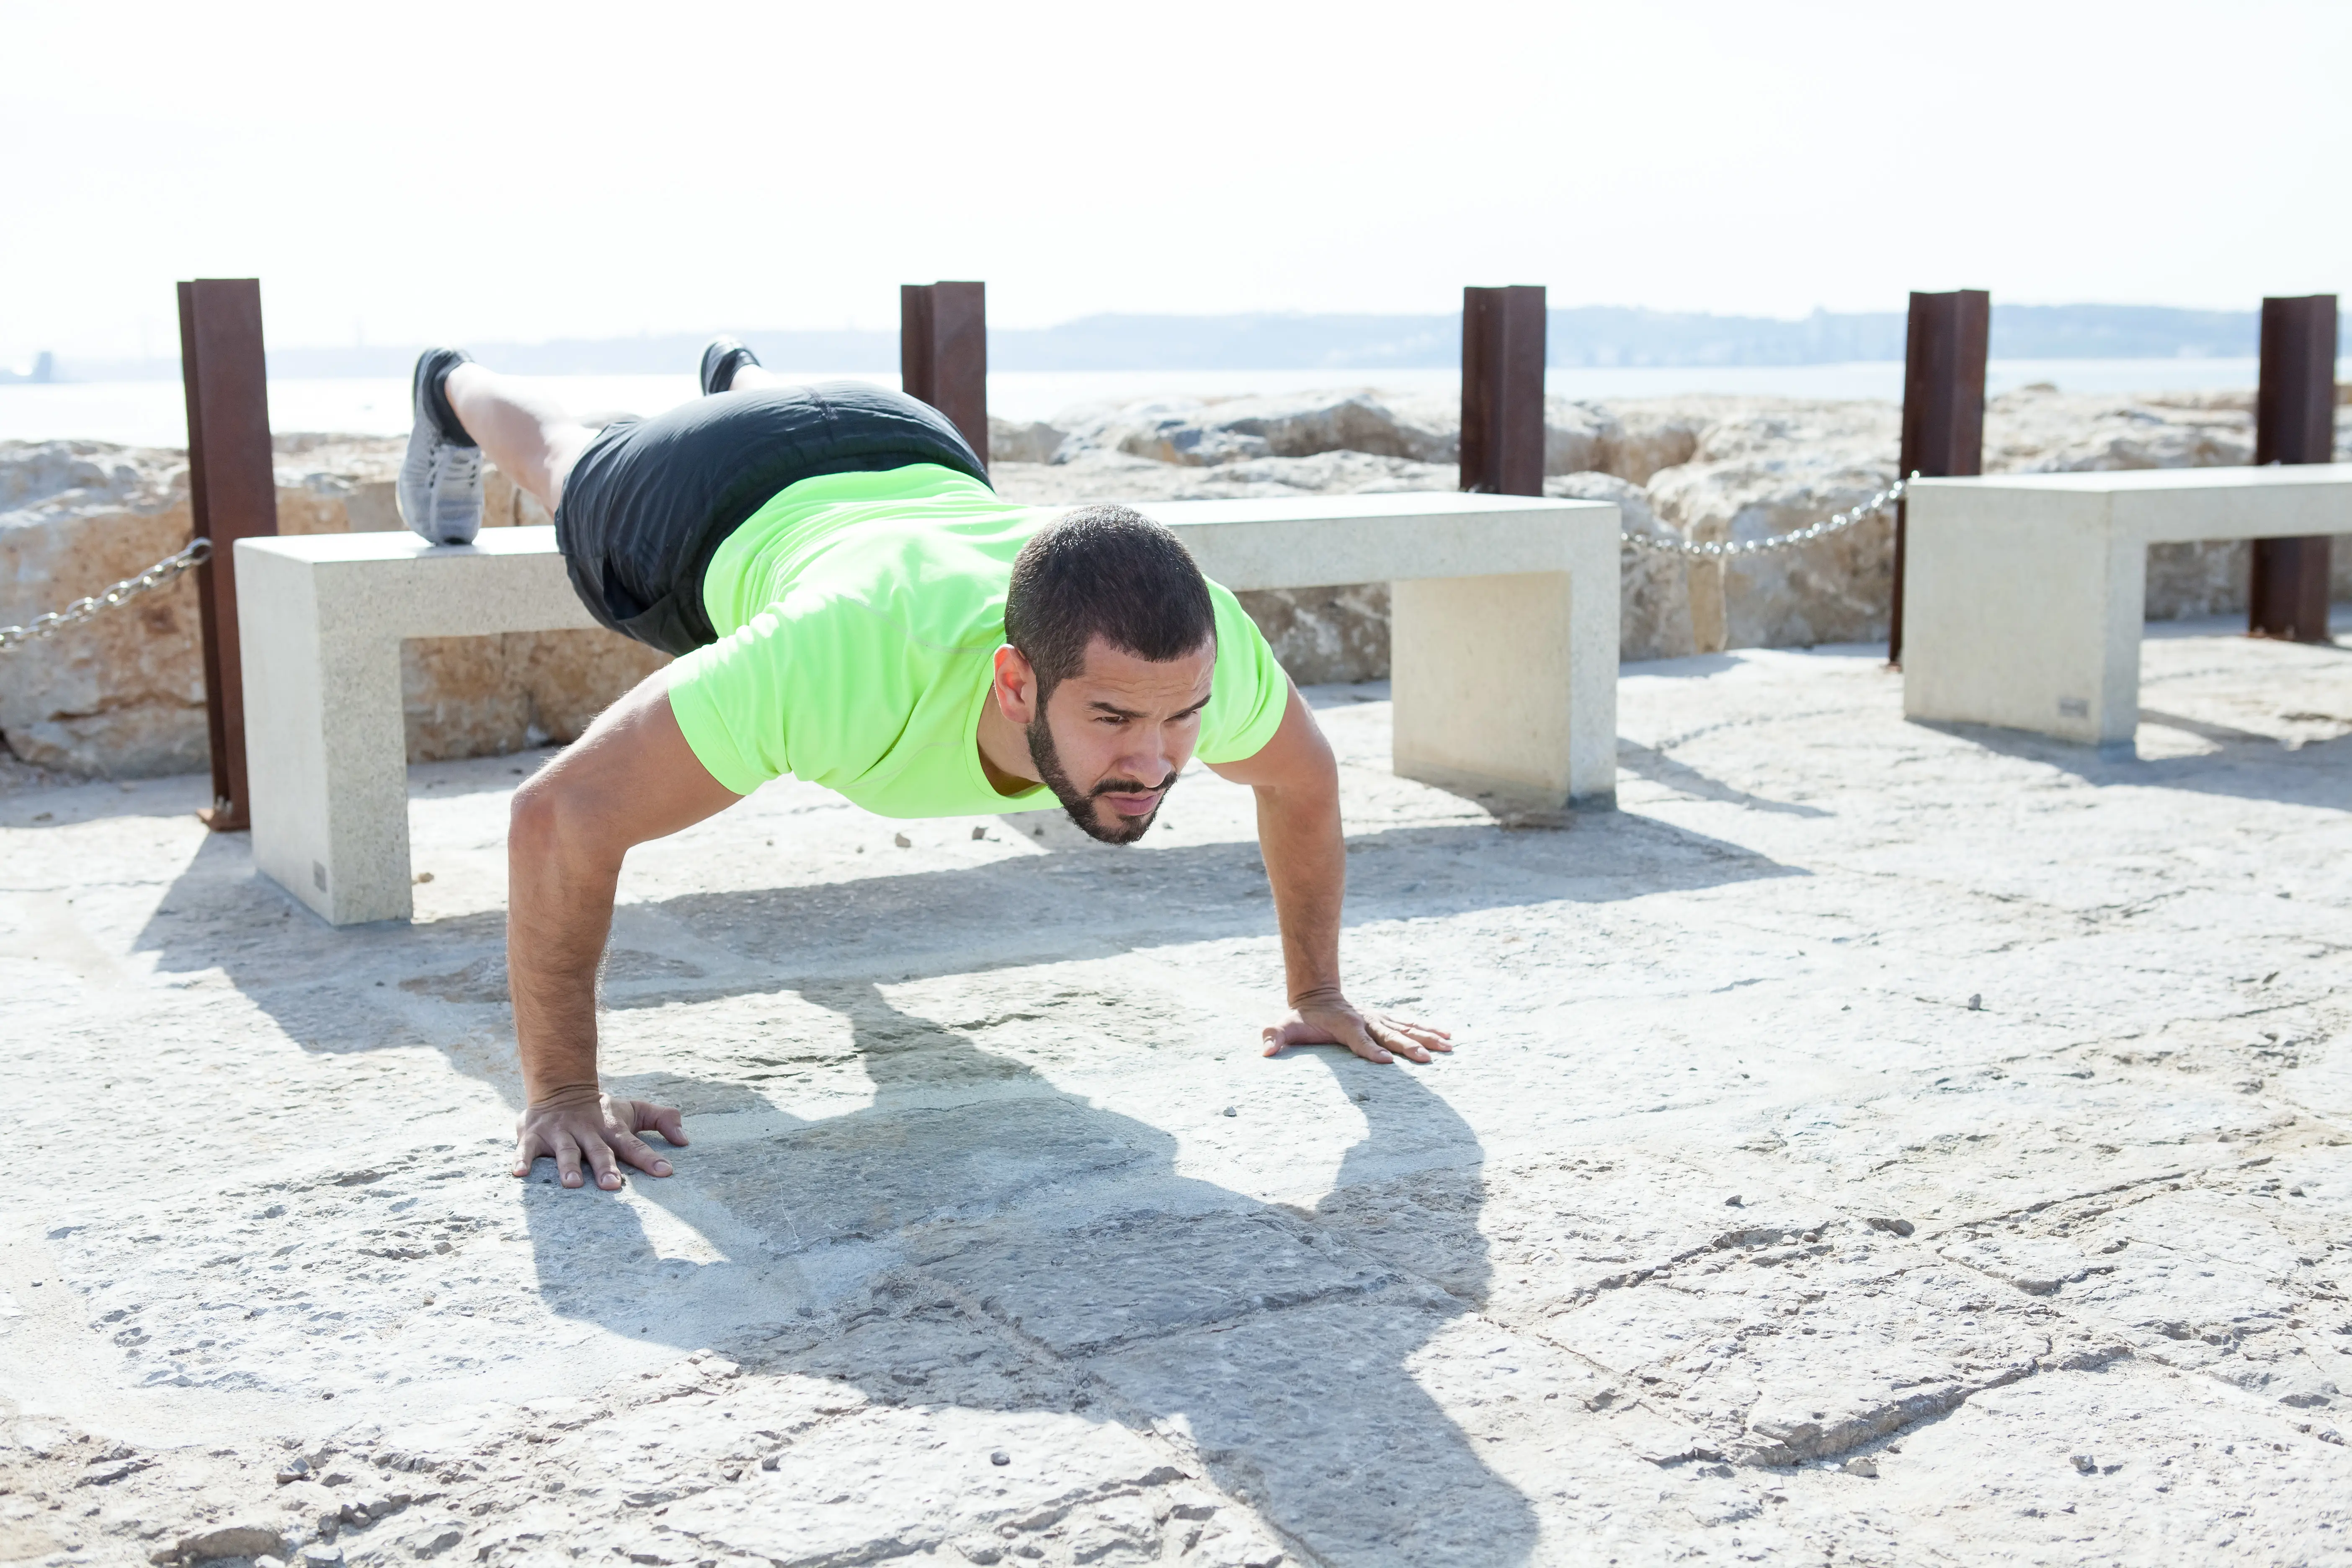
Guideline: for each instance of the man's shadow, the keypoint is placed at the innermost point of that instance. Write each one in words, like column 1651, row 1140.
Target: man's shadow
column 1007, row 1246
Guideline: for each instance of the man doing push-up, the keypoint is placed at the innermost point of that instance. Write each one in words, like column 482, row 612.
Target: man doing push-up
column 850, row 604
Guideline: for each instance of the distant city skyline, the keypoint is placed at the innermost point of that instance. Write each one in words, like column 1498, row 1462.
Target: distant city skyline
column 426, row 172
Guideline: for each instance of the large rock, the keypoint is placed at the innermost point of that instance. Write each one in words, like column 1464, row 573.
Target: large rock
column 1022, row 441
column 1760, row 468
column 1417, row 429
column 1654, row 593
column 122, row 695
column 1206, row 432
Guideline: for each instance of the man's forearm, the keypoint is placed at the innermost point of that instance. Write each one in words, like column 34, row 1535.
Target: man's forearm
column 1307, row 863
column 559, row 912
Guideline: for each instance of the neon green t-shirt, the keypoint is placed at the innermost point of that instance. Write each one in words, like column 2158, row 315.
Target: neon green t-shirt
column 858, row 619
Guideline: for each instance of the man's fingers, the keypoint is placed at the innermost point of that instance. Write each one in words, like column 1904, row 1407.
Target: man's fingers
column 607, row 1169
column 1357, row 1035
column 1420, row 1034
column 567, row 1159
column 527, row 1149
column 1293, row 1031
column 664, row 1119
column 1397, row 1040
column 640, row 1153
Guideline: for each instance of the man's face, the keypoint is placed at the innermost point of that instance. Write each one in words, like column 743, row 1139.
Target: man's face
column 1113, row 737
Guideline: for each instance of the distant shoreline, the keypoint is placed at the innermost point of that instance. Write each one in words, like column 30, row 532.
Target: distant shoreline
column 150, row 413
column 1580, row 337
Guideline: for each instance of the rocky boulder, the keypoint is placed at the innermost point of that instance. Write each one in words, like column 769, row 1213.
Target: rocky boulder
column 1206, row 432
column 122, row 695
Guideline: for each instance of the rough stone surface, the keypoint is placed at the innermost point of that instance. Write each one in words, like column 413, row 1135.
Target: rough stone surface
column 1874, row 1142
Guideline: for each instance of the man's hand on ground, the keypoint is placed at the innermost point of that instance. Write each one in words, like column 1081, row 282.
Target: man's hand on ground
column 1327, row 1018
column 575, row 1124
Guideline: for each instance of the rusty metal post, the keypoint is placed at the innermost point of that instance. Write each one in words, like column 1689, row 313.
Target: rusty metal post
column 233, row 491
column 943, row 354
column 2295, row 422
column 1503, row 390
column 1943, row 407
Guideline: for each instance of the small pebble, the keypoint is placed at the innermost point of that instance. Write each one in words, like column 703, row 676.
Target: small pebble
column 979, row 834
column 424, row 875
column 902, row 841
column 2084, row 1463
column 1000, row 1458
column 1975, row 1002
column 1863, row 1466
column 1232, row 1110
column 1733, row 1202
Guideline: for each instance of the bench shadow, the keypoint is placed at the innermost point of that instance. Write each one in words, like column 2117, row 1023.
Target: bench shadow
column 2244, row 766
column 1658, row 768
column 1029, row 1251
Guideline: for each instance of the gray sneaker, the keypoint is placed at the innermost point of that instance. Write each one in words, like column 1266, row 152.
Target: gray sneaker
column 440, row 488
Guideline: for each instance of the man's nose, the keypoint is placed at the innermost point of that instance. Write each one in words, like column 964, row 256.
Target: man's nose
column 1154, row 757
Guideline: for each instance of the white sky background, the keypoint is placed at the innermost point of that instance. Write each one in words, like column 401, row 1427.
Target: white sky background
column 412, row 171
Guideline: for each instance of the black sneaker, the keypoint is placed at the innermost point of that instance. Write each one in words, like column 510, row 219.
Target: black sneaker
column 721, row 357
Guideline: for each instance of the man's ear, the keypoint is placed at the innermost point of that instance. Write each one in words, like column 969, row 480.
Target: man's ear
column 1016, row 686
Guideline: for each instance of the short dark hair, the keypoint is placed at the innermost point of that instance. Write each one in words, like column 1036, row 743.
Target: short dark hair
column 1104, row 570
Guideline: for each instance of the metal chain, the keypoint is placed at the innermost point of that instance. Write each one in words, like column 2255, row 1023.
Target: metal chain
column 159, row 575
column 1837, row 522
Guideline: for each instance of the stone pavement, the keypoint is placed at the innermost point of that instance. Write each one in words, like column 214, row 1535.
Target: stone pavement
column 1873, row 1143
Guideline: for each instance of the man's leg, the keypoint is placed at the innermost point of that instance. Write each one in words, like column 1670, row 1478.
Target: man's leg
column 530, row 438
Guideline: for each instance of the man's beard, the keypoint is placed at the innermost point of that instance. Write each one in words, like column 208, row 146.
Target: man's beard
column 1080, row 803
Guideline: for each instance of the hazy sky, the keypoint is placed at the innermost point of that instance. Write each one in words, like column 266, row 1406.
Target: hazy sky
column 412, row 171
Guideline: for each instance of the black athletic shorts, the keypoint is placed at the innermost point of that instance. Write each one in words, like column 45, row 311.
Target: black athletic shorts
column 650, row 500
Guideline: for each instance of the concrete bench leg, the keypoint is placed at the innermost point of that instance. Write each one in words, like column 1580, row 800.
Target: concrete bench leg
column 2023, row 611
column 1507, row 685
column 325, row 749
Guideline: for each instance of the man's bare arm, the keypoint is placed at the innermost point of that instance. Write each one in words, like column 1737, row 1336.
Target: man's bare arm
column 1298, row 785
column 632, row 777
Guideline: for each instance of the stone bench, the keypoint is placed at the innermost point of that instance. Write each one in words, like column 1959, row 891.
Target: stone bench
column 2025, row 594
column 1504, row 655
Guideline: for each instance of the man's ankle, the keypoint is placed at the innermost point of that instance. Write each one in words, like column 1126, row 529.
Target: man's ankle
column 440, row 365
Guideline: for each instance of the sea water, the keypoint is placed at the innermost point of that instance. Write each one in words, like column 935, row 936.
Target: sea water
column 152, row 413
